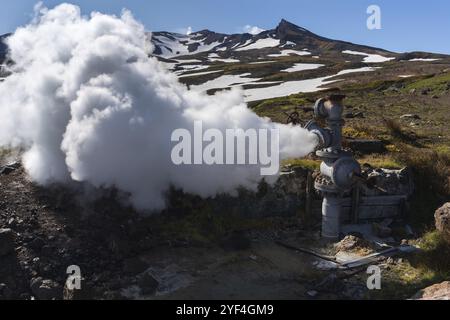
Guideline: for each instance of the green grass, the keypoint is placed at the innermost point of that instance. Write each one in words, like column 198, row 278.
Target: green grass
column 430, row 265
column 381, row 161
column 304, row 163
column 437, row 83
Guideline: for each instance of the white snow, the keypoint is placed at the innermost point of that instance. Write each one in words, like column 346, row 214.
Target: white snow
column 303, row 66
column 291, row 87
column 199, row 73
column 289, row 43
column 189, row 61
column 190, row 67
column 224, row 82
column 214, row 57
column 259, row 44
column 423, row 59
column 225, row 60
column 285, row 53
column 406, row 76
column 369, row 58
column 179, row 46
column 261, row 62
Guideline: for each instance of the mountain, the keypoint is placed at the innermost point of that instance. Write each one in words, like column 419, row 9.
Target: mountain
column 285, row 35
column 282, row 61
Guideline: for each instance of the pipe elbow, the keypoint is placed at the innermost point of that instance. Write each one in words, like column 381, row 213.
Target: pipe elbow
column 329, row 108
column 324, row 135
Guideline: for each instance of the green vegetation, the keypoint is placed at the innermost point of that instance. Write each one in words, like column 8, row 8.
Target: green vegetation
column 302, row 162
column 428, row 266
column 435, row 84
column 381, row 161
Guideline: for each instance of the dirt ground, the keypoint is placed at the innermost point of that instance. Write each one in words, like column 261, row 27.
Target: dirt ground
column 115, row 249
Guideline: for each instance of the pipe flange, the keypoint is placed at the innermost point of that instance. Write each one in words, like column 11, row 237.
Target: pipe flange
column 344, row 170
column 325, row 184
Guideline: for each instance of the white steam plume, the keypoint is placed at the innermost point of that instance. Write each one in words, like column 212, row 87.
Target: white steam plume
column 87, row 104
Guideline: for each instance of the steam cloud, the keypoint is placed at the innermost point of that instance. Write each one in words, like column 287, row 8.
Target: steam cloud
column 87, row 104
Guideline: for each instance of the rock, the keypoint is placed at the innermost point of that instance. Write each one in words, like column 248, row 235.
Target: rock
column 410, row 116
column 359, row 115
column 45, row 289
column 350, row 243
column 412, row 91
column 9, row 168
column 442, row 218
column 147, row 283
column 439, row 291
column 7, row 239
column 384, row 181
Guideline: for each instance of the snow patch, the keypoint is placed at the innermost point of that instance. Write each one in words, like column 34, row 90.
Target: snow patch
column 199, row 74
column 303, row 66
column 292, row 87
column 369, row 58
column 423, row 59
column 260, row 44
column 285, row 53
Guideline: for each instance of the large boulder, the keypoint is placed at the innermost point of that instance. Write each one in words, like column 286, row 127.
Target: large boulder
column 442, row 218
column 440, row 291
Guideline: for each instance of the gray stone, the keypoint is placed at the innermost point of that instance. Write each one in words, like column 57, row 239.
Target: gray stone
column 384, row 181
column 442, row 219
column 440, row 291
column 410, row 116
column 351, row 242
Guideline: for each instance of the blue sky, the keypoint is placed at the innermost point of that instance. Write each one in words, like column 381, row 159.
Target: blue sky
column 406, row 25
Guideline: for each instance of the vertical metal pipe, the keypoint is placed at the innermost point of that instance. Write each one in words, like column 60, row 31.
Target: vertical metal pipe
column 331, row 215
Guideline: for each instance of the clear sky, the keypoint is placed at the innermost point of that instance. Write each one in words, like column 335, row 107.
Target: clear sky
column 406, row 25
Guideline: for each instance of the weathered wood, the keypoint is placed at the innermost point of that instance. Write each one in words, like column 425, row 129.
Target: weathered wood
column 370, row 208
